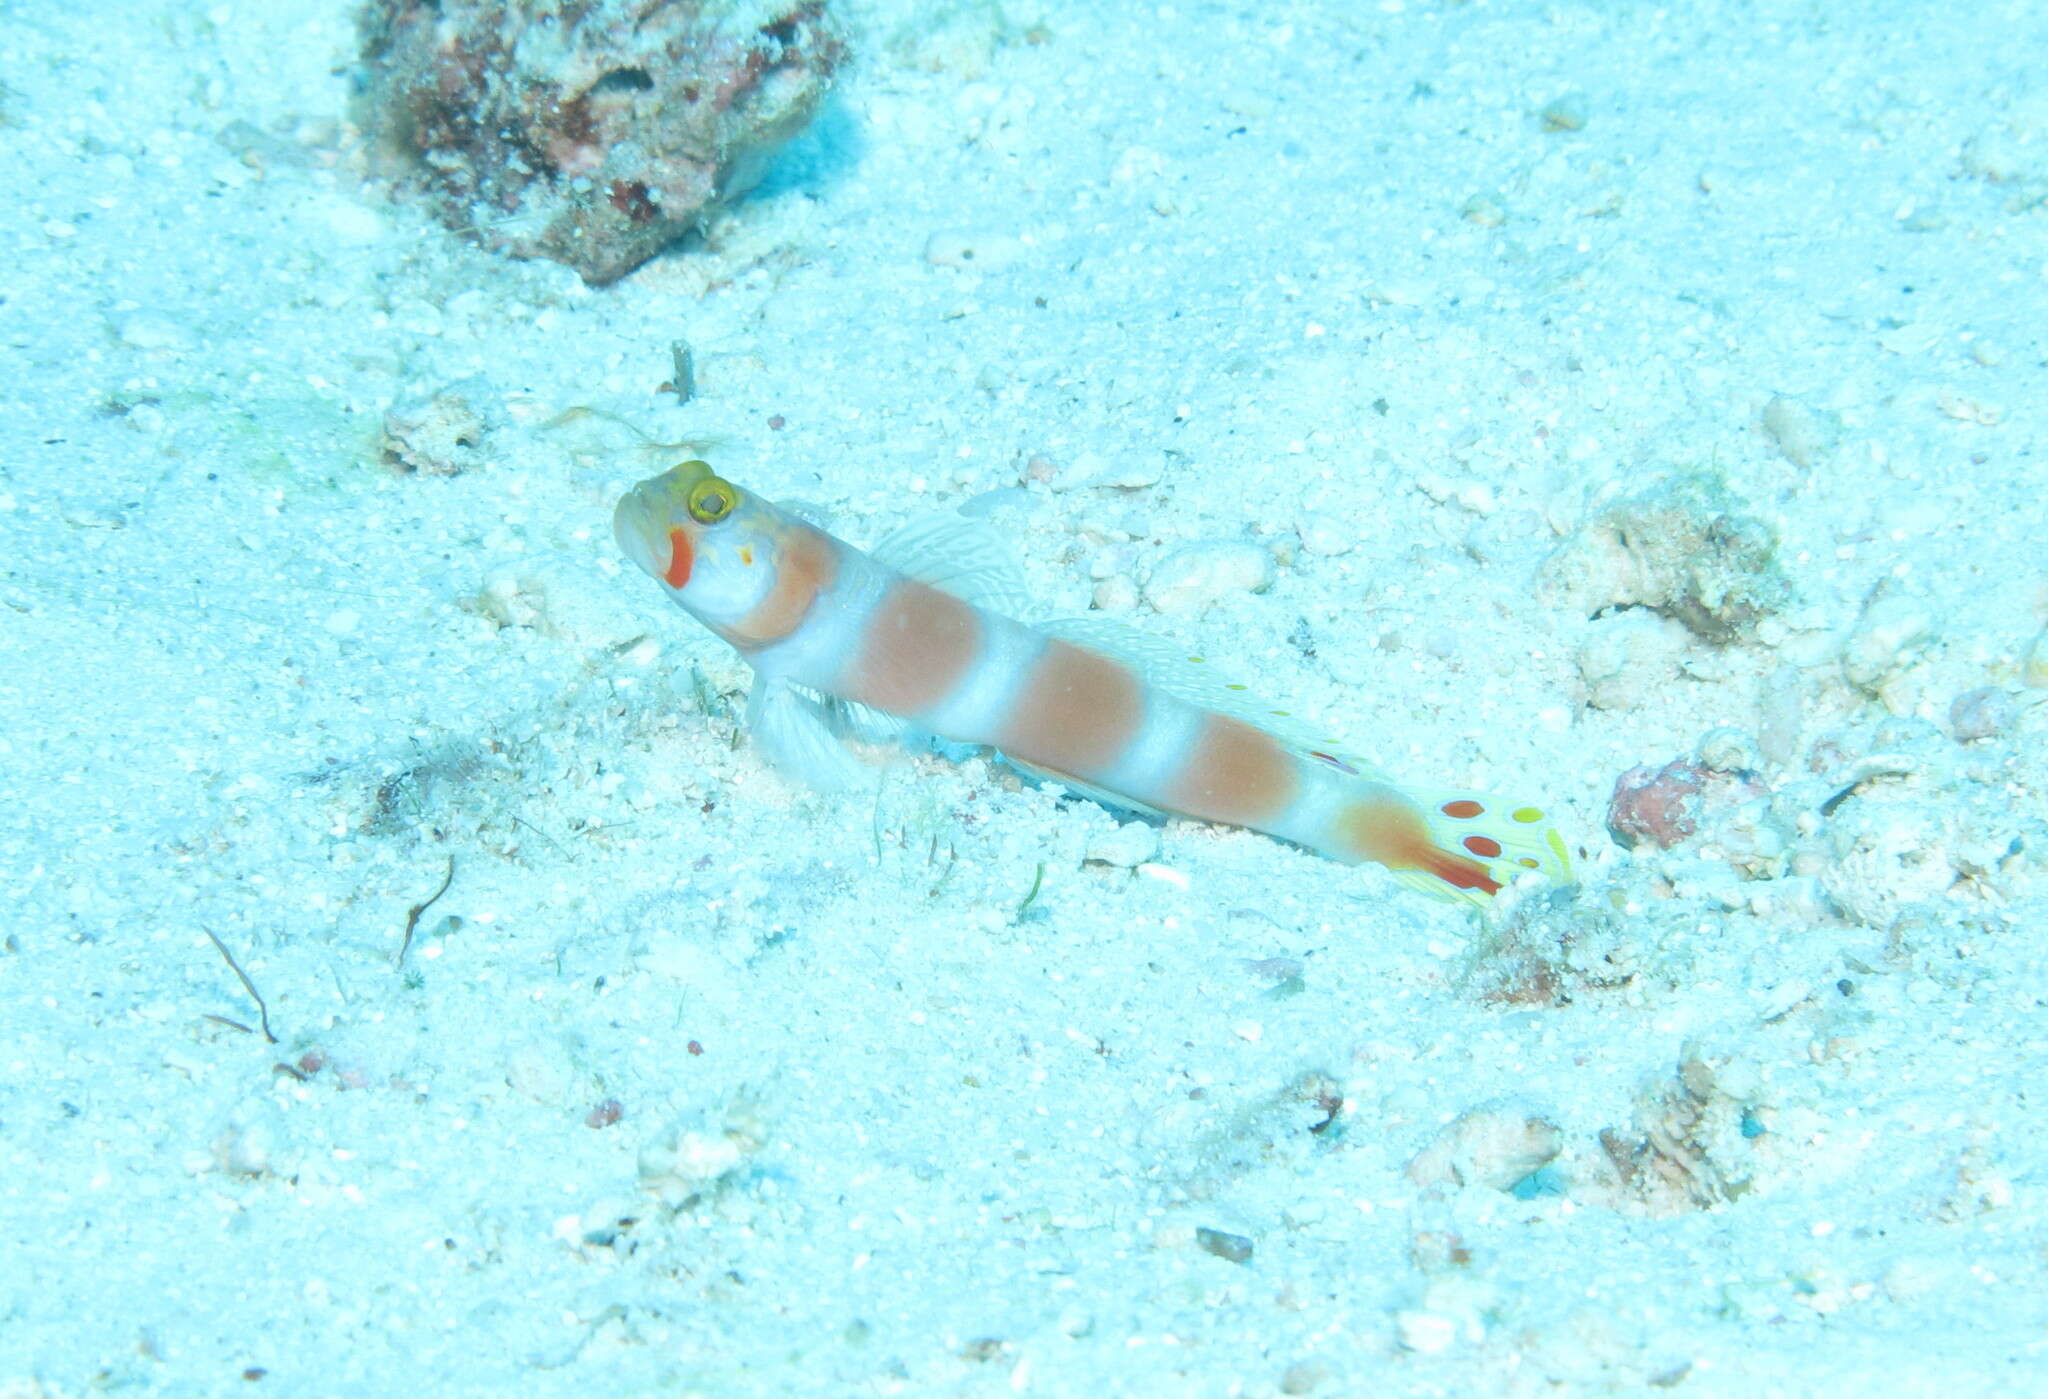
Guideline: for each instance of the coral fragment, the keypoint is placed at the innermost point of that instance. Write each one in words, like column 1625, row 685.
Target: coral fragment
column 591, row 132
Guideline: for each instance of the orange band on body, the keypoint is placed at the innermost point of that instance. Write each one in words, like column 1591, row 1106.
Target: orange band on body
column 1236, row 774
column 1077, row 711
column 806, row 563
column 918, row 644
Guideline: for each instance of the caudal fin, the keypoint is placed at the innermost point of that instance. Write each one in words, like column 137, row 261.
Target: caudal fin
column 1462, row 846
column 1507, row 838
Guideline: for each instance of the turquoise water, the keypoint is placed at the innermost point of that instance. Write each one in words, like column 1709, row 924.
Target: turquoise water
column 1524, row 395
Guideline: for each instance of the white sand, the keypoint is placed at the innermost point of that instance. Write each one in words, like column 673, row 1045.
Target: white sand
column 1317, row 272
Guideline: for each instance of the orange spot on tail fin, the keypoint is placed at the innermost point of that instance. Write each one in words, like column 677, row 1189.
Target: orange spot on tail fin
column 1454, row 870
column 1390, row 832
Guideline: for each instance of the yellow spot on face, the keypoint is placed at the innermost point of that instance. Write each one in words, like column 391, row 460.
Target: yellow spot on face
column 747, row 555
column 1527, row 815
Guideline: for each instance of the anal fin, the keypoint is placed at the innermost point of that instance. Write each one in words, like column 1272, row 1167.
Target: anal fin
column 1101, row 796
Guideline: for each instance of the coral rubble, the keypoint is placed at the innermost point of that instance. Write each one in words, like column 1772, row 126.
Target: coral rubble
column 1686, row 548
column 592, row 132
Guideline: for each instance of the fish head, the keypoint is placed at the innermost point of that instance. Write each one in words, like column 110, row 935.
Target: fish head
column 711, row 544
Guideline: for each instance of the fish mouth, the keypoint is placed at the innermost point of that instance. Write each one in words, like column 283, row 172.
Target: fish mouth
column 640, row 530
column 651, row 522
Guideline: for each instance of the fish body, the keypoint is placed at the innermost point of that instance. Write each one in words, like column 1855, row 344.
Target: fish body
column 921, row 631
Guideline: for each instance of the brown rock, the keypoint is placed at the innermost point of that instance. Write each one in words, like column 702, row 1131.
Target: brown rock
column 592, row 132
column 1664, row 806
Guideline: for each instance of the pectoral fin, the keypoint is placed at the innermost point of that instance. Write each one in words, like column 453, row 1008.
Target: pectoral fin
column 792, row 731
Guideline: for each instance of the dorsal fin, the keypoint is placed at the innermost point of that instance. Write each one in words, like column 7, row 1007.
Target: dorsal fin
column 956, row 555
column 1191, row 678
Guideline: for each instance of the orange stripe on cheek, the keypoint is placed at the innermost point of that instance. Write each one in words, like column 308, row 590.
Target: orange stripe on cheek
column 677, row 574
column 805, row 565
column 1236, row 775
column 1076, row 713
column 917, row 645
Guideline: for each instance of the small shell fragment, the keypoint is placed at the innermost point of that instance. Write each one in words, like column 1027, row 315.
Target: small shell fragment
column 1913, row 339
column 1566, row 112
column 148, row 330
column 1492, row 1146
column 1193, row 578
column 1231, row 1248
column 1799, row 433
column 1985, row 712
column 1131, row 844
column 1888, row 636
column 2034, row 668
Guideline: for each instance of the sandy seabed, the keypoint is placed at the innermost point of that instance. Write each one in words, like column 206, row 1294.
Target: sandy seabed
column 1532, row 392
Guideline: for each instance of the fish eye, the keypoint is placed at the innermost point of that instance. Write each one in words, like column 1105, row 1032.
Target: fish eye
column 710, row 500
